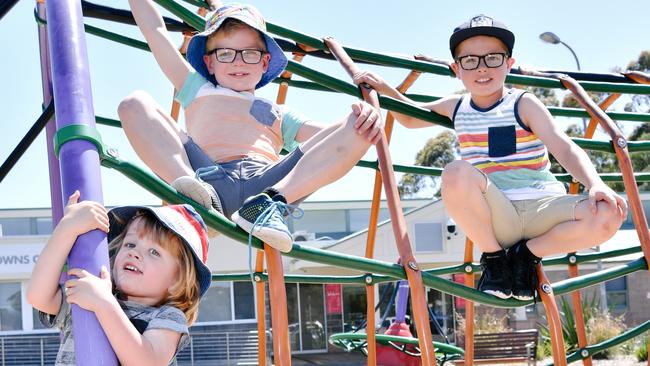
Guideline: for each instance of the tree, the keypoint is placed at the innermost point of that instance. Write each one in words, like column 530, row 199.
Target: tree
column 437, row 152
column 640, row 103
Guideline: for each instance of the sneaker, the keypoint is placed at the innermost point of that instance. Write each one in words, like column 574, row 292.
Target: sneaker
column 263, row 218
column 524, row 271
column 201, row 192
column 496, row 278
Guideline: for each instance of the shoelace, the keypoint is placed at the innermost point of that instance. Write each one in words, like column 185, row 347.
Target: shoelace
column 263, row 218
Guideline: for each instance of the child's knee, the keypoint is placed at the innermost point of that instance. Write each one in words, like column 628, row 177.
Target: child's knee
column 457, row 173
column 133, row 104
column 606, row 220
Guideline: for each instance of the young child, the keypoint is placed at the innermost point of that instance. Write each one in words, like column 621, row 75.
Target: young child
column 234, row 138
column 158, row 275
column 502, row 193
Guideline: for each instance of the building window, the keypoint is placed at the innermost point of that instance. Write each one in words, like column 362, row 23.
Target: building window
column 43, row 225
column 15, row 226
column 360, row 218
column 226, row 302
column 428, row 237
column 10, row 306
column 332, row 223
column 354, row 307
column 617, row 293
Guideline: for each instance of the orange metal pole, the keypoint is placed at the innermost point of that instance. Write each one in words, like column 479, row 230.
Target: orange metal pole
column 372, row 232
column 576, row 297
column 554, row 324
column 413, row 274
column 638, row 76
column 284, row 87
column 620, row 147
column 593, row 122
column 469, row 305
column 279, row 318
column 261, row 310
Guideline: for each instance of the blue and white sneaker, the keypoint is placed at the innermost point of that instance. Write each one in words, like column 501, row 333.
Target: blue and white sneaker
column 263, row 218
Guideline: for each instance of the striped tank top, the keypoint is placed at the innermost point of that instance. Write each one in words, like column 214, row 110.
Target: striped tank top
column 497, row 142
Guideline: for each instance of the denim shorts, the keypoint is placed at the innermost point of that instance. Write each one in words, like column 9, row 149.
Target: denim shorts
column 237, row 180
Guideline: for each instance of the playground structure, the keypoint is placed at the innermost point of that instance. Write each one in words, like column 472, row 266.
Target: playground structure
column 79, row 149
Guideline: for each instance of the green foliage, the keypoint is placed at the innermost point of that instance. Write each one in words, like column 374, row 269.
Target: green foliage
column 600, row 325
column 569, row 333
column 641, row 352
column 640, row 103
column 486, row 320
column 437, row 152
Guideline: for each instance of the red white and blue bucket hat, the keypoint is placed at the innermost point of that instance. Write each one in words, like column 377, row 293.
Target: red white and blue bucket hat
column 252, row 17
column 183, row 221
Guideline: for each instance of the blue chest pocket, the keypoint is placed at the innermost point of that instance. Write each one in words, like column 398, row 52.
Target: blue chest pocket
column 264, row 112
column 502, row 141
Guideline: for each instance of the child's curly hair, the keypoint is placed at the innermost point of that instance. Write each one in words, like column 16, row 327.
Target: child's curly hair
column 185, row 292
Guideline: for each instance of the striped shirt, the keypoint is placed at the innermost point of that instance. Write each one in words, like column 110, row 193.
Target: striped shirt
column 497, row 142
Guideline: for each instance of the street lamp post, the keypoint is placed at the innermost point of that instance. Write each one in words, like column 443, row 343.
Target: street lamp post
column 552, row 38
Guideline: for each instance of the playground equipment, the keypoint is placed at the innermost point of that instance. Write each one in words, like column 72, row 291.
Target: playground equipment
column 80, row 149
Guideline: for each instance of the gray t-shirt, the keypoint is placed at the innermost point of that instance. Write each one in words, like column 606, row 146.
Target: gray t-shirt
column 143, row 318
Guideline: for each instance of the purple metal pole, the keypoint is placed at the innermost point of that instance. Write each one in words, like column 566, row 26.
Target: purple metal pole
column 402, row 300
column 46, row 81
column 79, row 161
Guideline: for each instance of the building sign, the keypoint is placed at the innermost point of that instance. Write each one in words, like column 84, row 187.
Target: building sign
column 459, row 278
column 19, row 258
column 333, row 298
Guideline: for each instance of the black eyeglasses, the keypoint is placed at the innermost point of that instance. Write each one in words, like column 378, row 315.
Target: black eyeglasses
column 491, row 60
column 228, row 55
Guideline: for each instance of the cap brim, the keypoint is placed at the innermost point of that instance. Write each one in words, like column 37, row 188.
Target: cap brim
column 504, row 35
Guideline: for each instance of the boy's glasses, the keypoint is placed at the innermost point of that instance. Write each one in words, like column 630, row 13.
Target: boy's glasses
column 472, row 62
column 228, row 55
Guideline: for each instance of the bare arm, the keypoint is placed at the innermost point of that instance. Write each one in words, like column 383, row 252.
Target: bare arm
column 153, row 29
column 308, row 130
column 444, row 106
column 154, row 347
column 568, row 154
column 43, row 291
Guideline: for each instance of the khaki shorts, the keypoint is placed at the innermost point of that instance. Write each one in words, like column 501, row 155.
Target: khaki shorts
column 525, row 219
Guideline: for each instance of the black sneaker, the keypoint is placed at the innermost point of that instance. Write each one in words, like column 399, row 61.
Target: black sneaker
column 524, row 271
column 496, row 278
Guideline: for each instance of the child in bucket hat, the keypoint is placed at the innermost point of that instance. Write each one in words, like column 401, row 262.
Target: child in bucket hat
column 229, row 158
column 247, row 14
column 151, row 296
column 502, row 193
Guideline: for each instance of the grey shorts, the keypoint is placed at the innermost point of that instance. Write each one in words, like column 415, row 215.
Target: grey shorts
column 237, row 180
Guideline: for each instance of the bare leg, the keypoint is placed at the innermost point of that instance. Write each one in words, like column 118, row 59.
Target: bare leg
column 587, row 230
column 462, row 192
column 155, row 136
column 329, row 155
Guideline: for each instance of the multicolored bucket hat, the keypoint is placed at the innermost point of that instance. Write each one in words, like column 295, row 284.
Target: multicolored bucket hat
column 252, row 17
column 481, row 25
column 183, row 221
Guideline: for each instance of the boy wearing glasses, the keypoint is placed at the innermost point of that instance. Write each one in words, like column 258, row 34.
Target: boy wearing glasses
column 229, row 157
column 502, row 193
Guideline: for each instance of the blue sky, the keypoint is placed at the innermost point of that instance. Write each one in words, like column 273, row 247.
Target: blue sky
column 603, row 36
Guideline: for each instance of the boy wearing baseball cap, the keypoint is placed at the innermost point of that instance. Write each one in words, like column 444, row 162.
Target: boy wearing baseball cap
column 229, row 157
column 502, row 193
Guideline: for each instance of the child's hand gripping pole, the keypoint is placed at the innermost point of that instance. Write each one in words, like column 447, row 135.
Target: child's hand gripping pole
column 414, row 276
